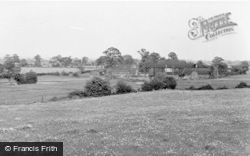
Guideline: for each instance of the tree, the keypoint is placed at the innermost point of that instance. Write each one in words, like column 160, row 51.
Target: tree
column 1, row 68
column 128, row 60
column 11, row 64
column 173, row 56
column 55, row 61
column 101, row 61
column 217, row 60
column 220, row 67
column 23, row 63
column 66, row 61
column 76, row 62
column 200, row 64
column 85, row 60
column 38, row 61
column 150, row 60
column 113, row 57
column 245, row 66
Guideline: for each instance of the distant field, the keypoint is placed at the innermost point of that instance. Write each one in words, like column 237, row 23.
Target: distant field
column 160, row 123
column 48, row 70
column 59, row 86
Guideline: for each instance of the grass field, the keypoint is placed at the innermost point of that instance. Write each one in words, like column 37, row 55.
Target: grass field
column 159, row 123
column 59, row 86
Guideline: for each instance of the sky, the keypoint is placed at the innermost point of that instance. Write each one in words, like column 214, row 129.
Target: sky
column 84, row 28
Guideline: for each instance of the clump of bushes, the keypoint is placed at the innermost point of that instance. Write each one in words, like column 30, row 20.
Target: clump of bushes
column 97, row 87
column 160, row 81
column 220, row 88
column 76, row 74
column 63, row 73
column 77, row 93
column 123, row 88
column 205, row 87
column 28, row 78
column 242, row 85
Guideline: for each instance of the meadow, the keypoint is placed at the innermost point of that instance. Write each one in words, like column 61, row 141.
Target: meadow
column 158, row 123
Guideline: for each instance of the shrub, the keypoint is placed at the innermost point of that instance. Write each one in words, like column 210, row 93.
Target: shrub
column 191, row 88
column 242, row 85
column 146, row 86
column 28, row 78
column 75, row 74
column 31, row 77
column 77, row 93
column 220, row 88
column 168, row 82
column 160, row 81
column 122, row 88
column 97, row 87
column 63, row 73
column 206, row 87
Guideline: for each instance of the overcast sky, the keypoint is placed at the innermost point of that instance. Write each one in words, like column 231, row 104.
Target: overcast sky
column 80, row 29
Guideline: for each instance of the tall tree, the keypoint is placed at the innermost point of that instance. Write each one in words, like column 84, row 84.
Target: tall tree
column 85, row 60
column 173, row 56
column 23, row 63
column 38, row 60
column 128, row 60
column 113, row 57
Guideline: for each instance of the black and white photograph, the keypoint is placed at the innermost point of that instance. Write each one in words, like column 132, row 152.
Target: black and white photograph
column 124, row 78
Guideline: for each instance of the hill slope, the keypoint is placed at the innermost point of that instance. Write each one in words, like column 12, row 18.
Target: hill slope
column 153, row 123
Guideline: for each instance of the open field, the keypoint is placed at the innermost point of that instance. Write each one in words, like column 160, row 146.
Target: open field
column 160, row 123
column 59, row 86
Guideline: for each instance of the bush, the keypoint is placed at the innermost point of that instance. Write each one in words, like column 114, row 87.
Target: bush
column 97, row 87
column 146, row 86
column 76, row 74
column 242, row 85
column 160, row 81
column 220, row 88
column 122, row 88
column 63, row 73
column 206, row 87
column 28, row 78
column 77, row 93
column 31, row 77
column 168, row 82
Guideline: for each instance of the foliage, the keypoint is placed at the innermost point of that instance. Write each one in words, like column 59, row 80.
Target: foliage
column 240, row 69
column 122, row 88
column 28, row 78
column 97, row 87
column 146, row 86
column 63, row 73
column 38, row 61
column 77, row 93
column 128, row 60
column 205, row 87
column 173, row 56
column 150, row 60
column 11, row 64
column 242, row 85
column 221, row 88
column 59, row 61
column 160, row 81
column 76, row 74
column 113, row 57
